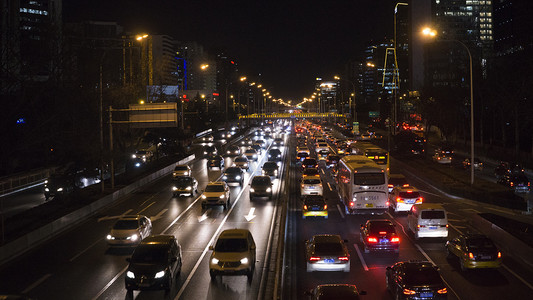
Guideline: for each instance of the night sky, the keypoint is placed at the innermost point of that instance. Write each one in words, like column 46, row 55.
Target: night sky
column 288, row 42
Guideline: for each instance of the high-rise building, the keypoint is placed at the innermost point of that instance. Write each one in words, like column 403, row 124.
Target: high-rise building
column 512, row 31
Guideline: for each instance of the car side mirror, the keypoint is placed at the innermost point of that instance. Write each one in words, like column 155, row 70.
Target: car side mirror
column 211, row 248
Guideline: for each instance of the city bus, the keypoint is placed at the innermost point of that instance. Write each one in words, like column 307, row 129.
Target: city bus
column 379, row 156
column 362, row 185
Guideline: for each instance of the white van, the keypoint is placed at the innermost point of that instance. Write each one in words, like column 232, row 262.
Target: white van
column 428, row 220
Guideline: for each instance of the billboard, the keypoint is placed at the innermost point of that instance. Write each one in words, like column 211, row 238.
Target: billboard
column 153, row 115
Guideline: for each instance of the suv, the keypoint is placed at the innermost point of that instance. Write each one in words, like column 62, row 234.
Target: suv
column 261, row 186
column 154, row 264
column 58, row 185
column 233, row 175
column 210, row 151
column 270, row 168
column 216, row 193
column 184, row 185
column 233, row 254
column 215, row 162
column 129, row 230
column 402, row 198
column 181, row 170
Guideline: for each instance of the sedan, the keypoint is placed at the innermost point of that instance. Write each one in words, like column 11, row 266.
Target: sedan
column 327, row 252
column 233, row 175
column 241, row 162
column 474, row 251
column 335, row 291
column 261, row 186
column 314, row 206
column 184, row 185
column 233, row 150
column 402, row 198
column 270, row 168
column 415, row 280
column 129, row 230
column 274, row 155
column 309, row 163
column 181, row 170
column 251, row 154
column 379, row 235
column 311, row 185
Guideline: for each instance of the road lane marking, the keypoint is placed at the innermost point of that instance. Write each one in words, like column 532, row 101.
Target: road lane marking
column 114, row 217
column 204, row 216
column 360, row 257
column 498, row 210
column 110, row 283
column 250, row 215
column 330, row 187
column 36, row 283
column 179, row 217
column 145, row 208
column 84, row 250
column 340, row 210
column 518, row 276
column 159, row 215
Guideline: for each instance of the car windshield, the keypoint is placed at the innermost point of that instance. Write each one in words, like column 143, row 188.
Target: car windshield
column 233, row 170
column 211, row 149
column 303, row 154
column 274, row 151
column 481, row 243
column 231, row 245
column 326, row 248
column 183, row 180
column 369, row 178
column 241, row 159
column 433, row 214
column 311, row 181
column 417, row 275
column 214, row 188
column 338, row 292
column 180, row 168
column 261, row 181
column 250, row 151
column 309, row 162
column 150, row 254
column 333, row 158
column 409, row 194
column 126, row 224
column 270, row 165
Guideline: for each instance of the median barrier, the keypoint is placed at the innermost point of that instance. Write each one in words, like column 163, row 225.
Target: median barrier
column 52, row 229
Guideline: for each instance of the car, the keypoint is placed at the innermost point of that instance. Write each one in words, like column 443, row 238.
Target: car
column 154, row 265
column 501, row 170
column 322, row 147
column 366, row 137
column 260, row 143
column 402, row 198
column 327, row 252
column 518, row 183
column 181, row 170
column 246, row 142
column 301, row 156
column 233, row 150
column 184, row 185
column 442, row 158
column 278, row 142
column 309, row 163
column 216, row 193
column 257, row 149
column 332, row 160
column 427, row 220
column 303, row 149
column 322, row 154
column 233, row 175
column 314, row 206
column 270, row 168
column 215, row 161
column 129, row 230
column 415, row 280
column 379, row 235
column 233, row 254
column 268, row 136
column 311, row 185
column 261, row 186
column 251, row 154
column 207, row 138
column 58, row 185
column 241, row 162
column 478, row 165
column 474, row 251
column 143, row 154
column 210, row 151
column 335, row 291
column 274, row 154
column 397, row 180
column 310, row 172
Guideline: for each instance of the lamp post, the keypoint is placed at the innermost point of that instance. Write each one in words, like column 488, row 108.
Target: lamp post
column 432, row 33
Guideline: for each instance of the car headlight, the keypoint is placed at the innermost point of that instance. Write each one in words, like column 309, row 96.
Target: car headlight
column 224, row 177
column 269, row 190
column 133, row 237
column 269, row 155
column 159, row 274
column 133, row 156
column 263, row 172
column 188, row 188
column 130, row 274
column 46, row 189
column 205, row 152
column 238, row 177
column 214, row 260
column 252, row 190
column 46, row 181
column 174, row 188
column 186, row 173
column 222, row 196
column 276, row 172
column 246, row 165
column 254, row 156
column 204, row 197
column 109, row 237
column 228, row 152
column 138, row 164
column 244, row 261
column 60, row 189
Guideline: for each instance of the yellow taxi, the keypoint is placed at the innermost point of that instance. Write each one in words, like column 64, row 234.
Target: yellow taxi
column 474, row 251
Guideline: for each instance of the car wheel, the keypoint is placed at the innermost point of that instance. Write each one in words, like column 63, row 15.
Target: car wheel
column 250, row 275
column 212, row 275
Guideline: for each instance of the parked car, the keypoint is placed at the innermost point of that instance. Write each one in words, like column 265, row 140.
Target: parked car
column 154, row 265
column 129, row 230
column 327, row 252
column 233, row 254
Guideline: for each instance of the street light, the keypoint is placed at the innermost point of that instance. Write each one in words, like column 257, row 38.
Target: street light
column 429, row 32
column 351, row 95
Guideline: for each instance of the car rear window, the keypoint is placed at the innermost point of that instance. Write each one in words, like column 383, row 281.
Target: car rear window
column 480, row 243
column 422, row 276
column 233, row 170
column 328, row 248
column 183, row 180
column 312, row 181
column 338, row 292
column 270, row 165
column 231, row 245
column 409, row 195
column 433, row 214
column 241, row 159
column 369, row 178
column 381, row 226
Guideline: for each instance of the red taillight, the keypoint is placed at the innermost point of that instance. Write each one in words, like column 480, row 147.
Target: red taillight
column 442, row 291
column 343, row 258
column 390, row 185
column 372, row 240
column 395, row 240
column 511, row 183
column 314, row 258
column 352, row 204
column 419, row 200
column 408, row 292
column 382, row 232
column 325, row 207
column 406, row 185
column 499, row 254
column 305, row 207
column 470, row 255
column 387, row 203
column 399, row 200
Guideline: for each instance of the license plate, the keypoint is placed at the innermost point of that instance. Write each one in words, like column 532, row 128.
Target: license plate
column 329, row 260
column 486, row 257
column 426, row 295
column 311, row 187
column 369, row 205
column 409, row 201
column 383, row 241
column 371, row 198
column 432, row 227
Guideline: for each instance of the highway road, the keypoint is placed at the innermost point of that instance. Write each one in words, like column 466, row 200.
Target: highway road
column 78, row 264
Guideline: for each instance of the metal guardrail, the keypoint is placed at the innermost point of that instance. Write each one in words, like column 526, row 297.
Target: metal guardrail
column 14, row 182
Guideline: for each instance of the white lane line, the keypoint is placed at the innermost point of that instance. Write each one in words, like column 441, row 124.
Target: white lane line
column 84, row 250
column 323, row 172
column 146, row 208
column 114, row 217
column 340, row 211
column 110, row 283
column 360, row 257
column 179, row 217
column 330, row 187
column 159, row 215
column 36, row 283
column 519, row 278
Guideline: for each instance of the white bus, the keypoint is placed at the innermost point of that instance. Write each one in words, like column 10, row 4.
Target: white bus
column 362, row 185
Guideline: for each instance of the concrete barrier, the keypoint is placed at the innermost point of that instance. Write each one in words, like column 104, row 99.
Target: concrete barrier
column 510, row 245
column 48, row 231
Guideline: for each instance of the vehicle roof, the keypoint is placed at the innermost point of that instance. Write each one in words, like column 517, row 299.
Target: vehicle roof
column 423, row 206
column 158, row 239
column 407, row 188
column 130, row 217
column 234, row 233
column 216, row 183
column 324, row 238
